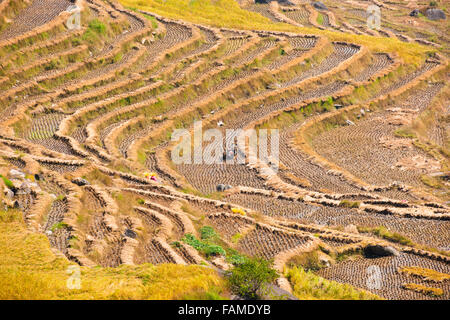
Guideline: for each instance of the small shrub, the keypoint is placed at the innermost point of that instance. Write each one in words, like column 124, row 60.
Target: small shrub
column 8, row 183
column 117, row 58
column 76, row 42
column 308, row 260
column 235, row 238
column 236, row 259
column 213, row 250
column 349, row 204
column 203, row 247
column 97, row 26
column 59, row 225
column 176, row 244
column 320, row 19
column 251, row 278
column 208, row 233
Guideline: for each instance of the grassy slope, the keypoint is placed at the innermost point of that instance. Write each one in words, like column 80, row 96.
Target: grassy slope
column 227, row 13
column 30, row 270
column 308, row 286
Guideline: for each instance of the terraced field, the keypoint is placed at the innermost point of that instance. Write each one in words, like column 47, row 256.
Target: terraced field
column 88, row 118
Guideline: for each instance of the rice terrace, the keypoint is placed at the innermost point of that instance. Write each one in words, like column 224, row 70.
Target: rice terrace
column 224, row 149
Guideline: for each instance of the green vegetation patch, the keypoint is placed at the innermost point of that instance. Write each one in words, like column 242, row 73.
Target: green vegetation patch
column 250, row 279
column 204, row 247
column 349, row 204
column 384, row 233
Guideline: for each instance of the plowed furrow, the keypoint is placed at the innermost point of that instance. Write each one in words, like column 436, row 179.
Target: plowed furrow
column 301, row 16
column 375, row 154
column 175, row 33
column 37, row 14
column 154, row 253
column 268, row 243
column 388, row 283
column 262, row 9
column 341, row 53
column 381, row 62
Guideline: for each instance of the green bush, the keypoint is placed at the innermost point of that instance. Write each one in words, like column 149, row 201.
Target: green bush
column 236, row 259
column 250, row 279
column 76, row 42
column 176, row 244
column 236, row 237
column 59, row 225
column 208, row 233
column 97, row 26
column 203, row 246
column 320, row 19
column 95, row 29
column 214, row 250
column 349, row 204
column 210, row 244
column 8, row 183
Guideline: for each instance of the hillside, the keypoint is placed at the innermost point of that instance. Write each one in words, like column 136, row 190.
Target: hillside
column 358, row 189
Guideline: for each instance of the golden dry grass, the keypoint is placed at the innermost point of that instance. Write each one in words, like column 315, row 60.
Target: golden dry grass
column 423, row 289
column 308, row 286
column 425, row 274
column 29, row 269
column 227, row 13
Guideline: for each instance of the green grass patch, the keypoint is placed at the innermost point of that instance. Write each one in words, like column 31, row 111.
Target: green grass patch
column 59, row 225
column 320, row 19
column 384, row 233
column 211, row 245
column 431, row 182
column 405, row 133
column 236, row 237
column 8, row 183
column 208, row 249
column 349, row 204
